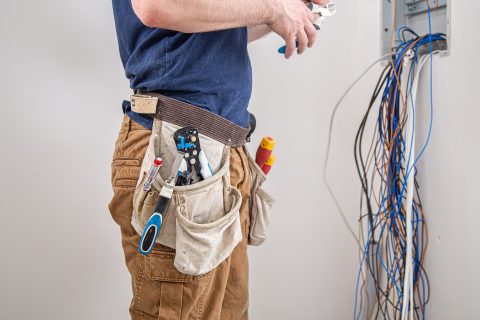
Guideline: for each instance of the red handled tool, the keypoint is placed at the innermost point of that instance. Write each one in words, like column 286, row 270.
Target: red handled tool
column 268, row 165
column 264, row 151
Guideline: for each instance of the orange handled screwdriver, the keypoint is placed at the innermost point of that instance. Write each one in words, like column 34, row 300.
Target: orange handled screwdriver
column 264, row 151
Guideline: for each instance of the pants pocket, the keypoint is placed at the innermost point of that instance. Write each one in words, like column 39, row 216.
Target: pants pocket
column 162, row 292
column 261, row 203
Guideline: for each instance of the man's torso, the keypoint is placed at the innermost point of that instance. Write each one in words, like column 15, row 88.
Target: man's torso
column 210, row 70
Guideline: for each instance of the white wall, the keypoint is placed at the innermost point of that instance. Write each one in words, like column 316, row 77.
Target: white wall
column 61, row 85
column 449, row 173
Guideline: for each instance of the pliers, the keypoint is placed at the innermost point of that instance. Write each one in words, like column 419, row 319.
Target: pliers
column 321, row 11
column 194, row 159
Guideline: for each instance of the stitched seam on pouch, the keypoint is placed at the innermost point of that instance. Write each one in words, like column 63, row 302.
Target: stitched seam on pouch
column 201, row 186
column 227, row 219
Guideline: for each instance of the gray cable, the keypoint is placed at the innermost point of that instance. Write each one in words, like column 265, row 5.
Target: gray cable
column 327, row 154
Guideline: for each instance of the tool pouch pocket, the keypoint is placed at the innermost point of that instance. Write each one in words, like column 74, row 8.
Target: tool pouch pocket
column 208, row 223
column 261, row 203
column 202, row 221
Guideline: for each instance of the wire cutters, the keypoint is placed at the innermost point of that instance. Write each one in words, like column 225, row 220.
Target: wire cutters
column 322, row 11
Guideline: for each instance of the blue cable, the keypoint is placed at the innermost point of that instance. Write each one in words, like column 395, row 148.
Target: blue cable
column 390, row 191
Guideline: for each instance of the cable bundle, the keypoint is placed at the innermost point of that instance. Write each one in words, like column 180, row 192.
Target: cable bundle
column 392, row 282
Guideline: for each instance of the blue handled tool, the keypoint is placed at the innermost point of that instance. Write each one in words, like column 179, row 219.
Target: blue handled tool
column 282, row 49
column 150, row 233
column 152, row 228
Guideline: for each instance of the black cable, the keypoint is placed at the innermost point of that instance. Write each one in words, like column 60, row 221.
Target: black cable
column 358, row 139
column 364, row 179
column 385, row 162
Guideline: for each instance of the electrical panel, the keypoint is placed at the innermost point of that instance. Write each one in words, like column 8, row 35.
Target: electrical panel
column 414, row 14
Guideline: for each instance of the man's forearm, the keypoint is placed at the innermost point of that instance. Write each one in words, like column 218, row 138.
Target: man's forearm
column 257, row 32
column 203, row 15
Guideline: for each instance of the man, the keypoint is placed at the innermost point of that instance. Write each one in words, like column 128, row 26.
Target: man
column 196, row 53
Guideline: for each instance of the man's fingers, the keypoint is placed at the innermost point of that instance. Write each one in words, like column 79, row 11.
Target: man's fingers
column 304, row 37
column 311, row 16
column 291, row 45
column 321, row 1
column 302, row 41
column 311, row 34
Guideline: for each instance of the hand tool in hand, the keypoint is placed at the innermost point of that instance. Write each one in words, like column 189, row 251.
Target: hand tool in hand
column 322, row 11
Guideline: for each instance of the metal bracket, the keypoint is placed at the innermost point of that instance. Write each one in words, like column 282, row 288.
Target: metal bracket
column 420, row 6
column 413, row 14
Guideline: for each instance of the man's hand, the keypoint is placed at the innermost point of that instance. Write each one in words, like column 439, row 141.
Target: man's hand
column 293, row 21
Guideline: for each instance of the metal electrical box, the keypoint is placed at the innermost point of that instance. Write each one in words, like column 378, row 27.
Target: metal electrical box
column 414, row 14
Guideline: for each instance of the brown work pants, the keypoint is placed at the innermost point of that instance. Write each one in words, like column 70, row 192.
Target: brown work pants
column 159, row 290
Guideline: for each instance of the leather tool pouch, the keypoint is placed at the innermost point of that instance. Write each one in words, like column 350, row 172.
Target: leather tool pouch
column 202, row 221
column 260, row 204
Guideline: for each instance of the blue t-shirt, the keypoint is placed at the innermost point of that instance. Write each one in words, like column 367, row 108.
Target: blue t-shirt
column 210, row 70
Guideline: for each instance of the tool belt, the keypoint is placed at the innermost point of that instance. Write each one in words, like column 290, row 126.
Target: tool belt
column 185, row 115
column 202, row 221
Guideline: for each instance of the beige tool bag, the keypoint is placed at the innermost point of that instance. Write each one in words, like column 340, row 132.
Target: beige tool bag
column 202, row 221
column 260, row 204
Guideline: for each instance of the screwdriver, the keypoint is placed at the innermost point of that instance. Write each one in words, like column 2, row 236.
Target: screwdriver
column 264, row 150
column 268, row 165
column 157, row 163
column 152, row 228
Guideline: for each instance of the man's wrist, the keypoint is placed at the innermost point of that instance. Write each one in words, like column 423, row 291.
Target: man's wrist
column 270, row 11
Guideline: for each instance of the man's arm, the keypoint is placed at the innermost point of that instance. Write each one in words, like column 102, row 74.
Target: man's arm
column 203, row 15
column 290, row 19
column 257, row 32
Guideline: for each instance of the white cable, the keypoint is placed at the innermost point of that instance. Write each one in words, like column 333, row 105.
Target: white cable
column 410, row 145
column 327, row 154
column 408, row 280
